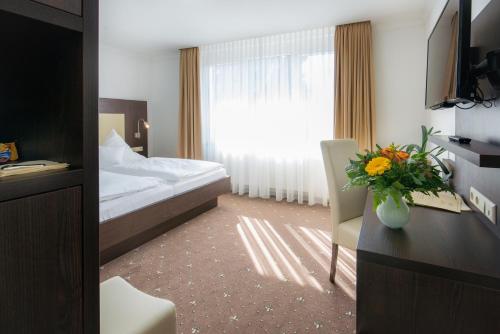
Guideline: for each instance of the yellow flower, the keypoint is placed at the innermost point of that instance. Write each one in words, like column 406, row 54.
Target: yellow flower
column 377, row 166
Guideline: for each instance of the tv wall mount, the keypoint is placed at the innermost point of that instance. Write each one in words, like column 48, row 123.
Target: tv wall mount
column 488, row 69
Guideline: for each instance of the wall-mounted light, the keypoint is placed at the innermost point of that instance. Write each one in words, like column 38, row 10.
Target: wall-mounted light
column 146, row 126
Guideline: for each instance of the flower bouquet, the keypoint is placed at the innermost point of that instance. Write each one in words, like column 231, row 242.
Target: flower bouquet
column 394, row 172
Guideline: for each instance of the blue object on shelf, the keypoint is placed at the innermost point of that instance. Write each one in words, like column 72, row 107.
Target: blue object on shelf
column 5, row 155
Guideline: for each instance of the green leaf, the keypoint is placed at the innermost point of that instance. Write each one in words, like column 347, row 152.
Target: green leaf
column 416, row 180
column 425, row 137
column 441, row 164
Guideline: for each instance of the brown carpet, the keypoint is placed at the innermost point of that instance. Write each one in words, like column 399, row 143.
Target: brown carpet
column 248, row 266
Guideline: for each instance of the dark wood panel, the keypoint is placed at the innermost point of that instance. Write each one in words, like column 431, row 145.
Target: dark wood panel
column 13, row 187
column 41, row 263
column 71, row 6
column 41, row 99
column 42, row 13
column 391, row 300
column 135, row 241
column 435, row 242
column 119, row 230
column 90, row 164
column 134, row 111
column 49, row 101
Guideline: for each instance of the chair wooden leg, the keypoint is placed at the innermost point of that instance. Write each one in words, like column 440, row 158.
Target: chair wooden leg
column 333, row 269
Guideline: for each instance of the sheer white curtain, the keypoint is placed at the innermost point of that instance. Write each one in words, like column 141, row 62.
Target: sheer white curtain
column 266, row 105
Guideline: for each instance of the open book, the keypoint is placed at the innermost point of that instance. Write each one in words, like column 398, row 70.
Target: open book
column 445, row 201
column 30, row 167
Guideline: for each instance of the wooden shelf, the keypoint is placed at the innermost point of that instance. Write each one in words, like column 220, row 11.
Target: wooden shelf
column 43, row 13
column 36, row 183
column 479, row 153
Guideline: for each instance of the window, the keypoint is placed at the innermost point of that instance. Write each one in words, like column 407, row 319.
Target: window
column 266, row 105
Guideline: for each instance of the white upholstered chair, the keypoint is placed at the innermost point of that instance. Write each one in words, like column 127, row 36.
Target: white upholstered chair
column 346, row 206
column 126, row 310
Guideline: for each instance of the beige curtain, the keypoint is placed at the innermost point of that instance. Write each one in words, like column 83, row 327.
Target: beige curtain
column 354, row 84
column 449, row 89
column 189, row 105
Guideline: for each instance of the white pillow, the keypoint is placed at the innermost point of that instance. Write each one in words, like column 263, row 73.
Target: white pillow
column 110, row 156
column 115, row 140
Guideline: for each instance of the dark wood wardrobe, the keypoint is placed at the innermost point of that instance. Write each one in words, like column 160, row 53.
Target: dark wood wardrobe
column 49, row 230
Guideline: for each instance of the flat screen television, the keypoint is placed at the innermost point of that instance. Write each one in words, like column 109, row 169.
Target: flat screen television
column 448, row 57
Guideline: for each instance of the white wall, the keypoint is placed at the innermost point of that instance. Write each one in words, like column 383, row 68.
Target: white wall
column 164, row 104
column 478, row 6
column 125, row 74
column 400, row 66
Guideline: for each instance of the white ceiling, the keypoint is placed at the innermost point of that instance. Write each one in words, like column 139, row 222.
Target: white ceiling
column 173, row 24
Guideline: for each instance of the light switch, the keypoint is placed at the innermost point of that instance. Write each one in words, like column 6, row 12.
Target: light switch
column 138, row 149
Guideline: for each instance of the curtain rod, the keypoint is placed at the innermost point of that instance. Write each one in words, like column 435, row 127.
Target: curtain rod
column 193, row 47
column 353, row 23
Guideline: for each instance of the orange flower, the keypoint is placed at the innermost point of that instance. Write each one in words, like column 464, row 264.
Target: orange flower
column 388, row 152
column 401, row 156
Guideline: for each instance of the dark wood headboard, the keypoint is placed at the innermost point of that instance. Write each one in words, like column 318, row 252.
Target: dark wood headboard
column 133, row 111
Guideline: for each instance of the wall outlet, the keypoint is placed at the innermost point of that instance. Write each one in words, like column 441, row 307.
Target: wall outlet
column 487, row 207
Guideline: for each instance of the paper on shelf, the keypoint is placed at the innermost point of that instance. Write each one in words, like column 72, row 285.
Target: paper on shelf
column 28, row 167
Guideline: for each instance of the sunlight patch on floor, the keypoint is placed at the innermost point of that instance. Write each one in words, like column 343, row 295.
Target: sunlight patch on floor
column 322, row 261
column 271, row 255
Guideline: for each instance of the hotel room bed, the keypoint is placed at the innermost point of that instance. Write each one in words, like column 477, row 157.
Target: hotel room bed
column 121, row 205
column 169, row 191
column 129, row 220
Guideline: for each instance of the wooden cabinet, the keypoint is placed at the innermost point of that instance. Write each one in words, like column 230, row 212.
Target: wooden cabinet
column 41, row 263
column 49, row 222
column 71, row 6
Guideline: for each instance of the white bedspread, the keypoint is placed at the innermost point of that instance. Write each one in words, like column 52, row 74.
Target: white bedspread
column 113, row 185
column 132, row 202
column 168, row 169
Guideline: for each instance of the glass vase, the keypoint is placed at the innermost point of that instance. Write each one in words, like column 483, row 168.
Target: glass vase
column 394, row 214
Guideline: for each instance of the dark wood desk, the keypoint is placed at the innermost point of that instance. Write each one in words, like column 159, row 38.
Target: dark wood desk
column 439, row 274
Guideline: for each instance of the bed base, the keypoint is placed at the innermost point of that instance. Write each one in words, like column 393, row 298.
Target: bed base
column 122, row 234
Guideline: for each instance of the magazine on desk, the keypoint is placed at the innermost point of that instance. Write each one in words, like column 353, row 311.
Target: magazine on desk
column 444, row 201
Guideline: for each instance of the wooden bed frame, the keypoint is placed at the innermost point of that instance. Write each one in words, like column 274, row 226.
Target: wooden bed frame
column 122, row 234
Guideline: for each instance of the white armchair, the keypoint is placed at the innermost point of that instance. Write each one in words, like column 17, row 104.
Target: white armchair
column 126, row 310
column 346, row 206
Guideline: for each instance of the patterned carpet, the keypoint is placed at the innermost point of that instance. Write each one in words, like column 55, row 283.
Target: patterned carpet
column 247, row 266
